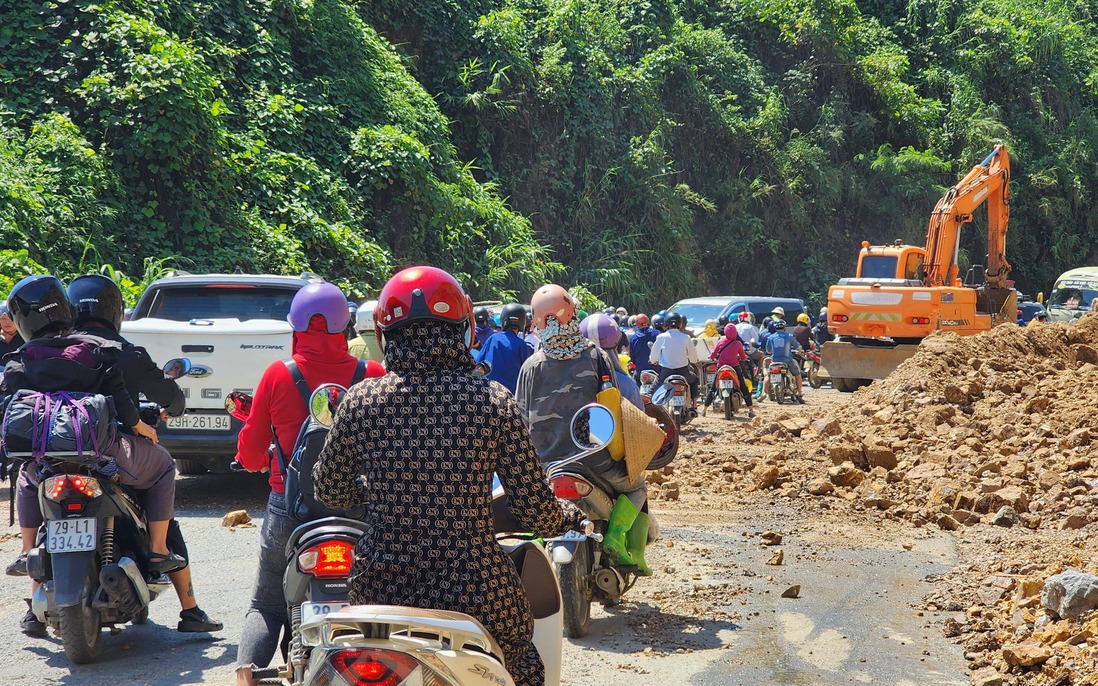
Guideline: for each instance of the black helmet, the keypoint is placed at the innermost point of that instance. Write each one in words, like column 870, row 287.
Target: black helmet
column 658, row 322
column 39, row 306
column 481, row 314
column 96, row 298
column 675, row 320
column 513, row 316
column 779, row 324
column 722, row 321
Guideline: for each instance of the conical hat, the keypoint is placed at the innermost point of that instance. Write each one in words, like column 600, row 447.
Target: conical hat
column 643, row 439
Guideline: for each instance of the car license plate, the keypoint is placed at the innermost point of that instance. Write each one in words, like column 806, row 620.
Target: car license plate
column 71, row 535
column 310, row 610
column 201, row 422
column 728, row 383
column 678, row 400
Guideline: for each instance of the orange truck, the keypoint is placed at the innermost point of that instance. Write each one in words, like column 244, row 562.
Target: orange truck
column 902, row 293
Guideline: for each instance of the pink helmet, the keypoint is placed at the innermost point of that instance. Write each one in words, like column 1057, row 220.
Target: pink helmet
column 601, row 329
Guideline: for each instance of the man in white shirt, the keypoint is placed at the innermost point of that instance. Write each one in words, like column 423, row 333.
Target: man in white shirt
column 749, row 334
column 674, row 353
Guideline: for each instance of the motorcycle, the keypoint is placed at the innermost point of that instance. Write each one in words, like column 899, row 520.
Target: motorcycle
column 782, row 386
column 319, row 553
column 811, row 367
column 648, row 381
column 708, row 376
column 384, row 644
column 92, row 564
column 584, row 573
column 728, row 395
column 675, row 395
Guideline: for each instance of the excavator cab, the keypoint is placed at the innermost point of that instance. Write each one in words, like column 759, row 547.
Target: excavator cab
column 897, row 264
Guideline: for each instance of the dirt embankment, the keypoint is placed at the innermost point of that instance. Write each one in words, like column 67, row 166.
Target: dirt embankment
column 992, row 437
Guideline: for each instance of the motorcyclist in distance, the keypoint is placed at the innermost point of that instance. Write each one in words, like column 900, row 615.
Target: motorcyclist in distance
column 418, row 448
column 365, row 346
column 820, row 331
column 780, row 347
column 675, row 353
column 482, row 317
column 10, row 340
column 508, row 350
column 640, row 347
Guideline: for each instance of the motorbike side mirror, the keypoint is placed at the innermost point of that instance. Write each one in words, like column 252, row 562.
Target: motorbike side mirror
column 324, row 402
column 239, row 405
column 661, row 395
column 177, row 368
column 593, row 427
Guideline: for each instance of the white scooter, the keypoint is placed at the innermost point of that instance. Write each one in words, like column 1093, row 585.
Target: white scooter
column 406, row 646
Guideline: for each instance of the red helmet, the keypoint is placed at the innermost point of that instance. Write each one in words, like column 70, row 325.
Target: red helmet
column 642, row 320
column 422, row 293
column 745, row 316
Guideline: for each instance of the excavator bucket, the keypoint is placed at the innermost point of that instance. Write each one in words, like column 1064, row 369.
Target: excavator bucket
column 851, row 366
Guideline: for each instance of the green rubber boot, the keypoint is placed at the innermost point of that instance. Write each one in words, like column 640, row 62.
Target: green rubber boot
column 621, row 519
column 636, row 540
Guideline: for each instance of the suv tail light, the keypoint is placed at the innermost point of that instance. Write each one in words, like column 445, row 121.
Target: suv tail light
column 570, row 487
column 373, row 666
column 330, row 559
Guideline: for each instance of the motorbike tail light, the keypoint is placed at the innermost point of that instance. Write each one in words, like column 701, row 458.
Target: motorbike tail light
column 775, row 370
column 373, row 666
column 725, row 375
column 86, row 486
column 920, row 320
column 329, row 559
column 839, row 318
column 570, row 487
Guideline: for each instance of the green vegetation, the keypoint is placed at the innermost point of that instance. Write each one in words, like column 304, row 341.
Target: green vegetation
column 647, row 149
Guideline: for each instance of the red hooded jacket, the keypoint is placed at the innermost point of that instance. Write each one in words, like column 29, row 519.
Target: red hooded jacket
column 729, row 350
column 322, row 358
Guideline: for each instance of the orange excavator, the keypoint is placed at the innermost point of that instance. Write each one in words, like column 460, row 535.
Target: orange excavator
column 902, row 293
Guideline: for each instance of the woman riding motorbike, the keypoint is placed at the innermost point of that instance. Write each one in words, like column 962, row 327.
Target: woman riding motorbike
column 427, row 438
column 729, row 351
column 554, row 383
column 318, row 315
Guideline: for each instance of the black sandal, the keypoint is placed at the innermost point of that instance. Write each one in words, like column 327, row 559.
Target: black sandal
column 196, row 621
column 166, row 564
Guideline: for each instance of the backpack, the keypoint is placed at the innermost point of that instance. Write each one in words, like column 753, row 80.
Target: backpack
column 297, row 474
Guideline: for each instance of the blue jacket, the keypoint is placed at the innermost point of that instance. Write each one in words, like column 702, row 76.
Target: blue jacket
column 483, row 333
column 505, row 351
column 640, row 348
column 780, row 346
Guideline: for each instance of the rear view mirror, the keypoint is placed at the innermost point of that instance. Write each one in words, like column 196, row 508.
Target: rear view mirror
column 661, row 394
column 177, row 368
column 324, row 402
column 593, row 427
column 239, row 405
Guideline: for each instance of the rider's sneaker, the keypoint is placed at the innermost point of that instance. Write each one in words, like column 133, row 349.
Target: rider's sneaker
column 166, row 564
column 196, row 621
column 800, row 399
column 18, row 566
column 750, row 414
column 30, row 624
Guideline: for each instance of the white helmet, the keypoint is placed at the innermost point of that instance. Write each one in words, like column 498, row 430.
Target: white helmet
column 365, row 318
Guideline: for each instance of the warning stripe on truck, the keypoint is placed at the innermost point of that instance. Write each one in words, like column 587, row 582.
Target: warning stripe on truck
column 876, row 316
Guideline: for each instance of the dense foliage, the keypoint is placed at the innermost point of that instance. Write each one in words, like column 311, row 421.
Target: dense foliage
column 654, row 148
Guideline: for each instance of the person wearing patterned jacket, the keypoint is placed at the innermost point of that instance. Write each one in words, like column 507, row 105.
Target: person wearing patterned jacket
column 418, row 448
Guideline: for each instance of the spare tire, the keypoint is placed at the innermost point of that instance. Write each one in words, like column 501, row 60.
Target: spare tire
column 670, row 445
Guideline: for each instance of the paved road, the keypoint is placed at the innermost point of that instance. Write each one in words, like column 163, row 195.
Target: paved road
column 853, row 624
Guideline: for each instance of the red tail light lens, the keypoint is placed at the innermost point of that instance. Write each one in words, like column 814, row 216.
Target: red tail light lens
column 725, row 375
column 84, row 485
column 920, row 320
column 570, row 488
column 775, row 370
column 373, row 666
column 839, row 318
column 329, row 559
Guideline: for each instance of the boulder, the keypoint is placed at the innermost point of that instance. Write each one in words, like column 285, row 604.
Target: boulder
column 1006, row 516
column 236, row 518
column 1070, row 594
column 846, row 452
column 1026, row 654
column 765, row 476
column 819, row 486
column 987, row 676
column 827, row 427
column 879, row 455
column 846, row 475
column 794, row 425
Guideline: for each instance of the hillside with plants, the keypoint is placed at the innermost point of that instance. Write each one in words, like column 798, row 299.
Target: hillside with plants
column 649, row 149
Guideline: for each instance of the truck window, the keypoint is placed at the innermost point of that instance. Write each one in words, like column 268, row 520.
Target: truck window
column 218, row 301
column 912, row 266
column 879, row 267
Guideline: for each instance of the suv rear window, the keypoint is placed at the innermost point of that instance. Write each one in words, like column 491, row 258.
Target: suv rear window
column 221, row 301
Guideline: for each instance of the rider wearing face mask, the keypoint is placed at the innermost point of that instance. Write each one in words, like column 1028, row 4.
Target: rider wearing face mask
column 318, row 315
column 418, row 448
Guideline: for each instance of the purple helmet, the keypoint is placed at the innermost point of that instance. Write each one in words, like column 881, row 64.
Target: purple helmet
column 601, row 329
column 321, row 298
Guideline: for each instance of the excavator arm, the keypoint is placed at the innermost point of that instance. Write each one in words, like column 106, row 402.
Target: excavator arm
column 990, row 181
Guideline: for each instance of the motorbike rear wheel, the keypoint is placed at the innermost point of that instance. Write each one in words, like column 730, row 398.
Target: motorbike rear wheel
column 575, row 591
column 728, row 402
column 814, row 379
column 80, row 630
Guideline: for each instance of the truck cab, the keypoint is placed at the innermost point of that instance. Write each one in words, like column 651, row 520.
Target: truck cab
column 895, row 265
column 231, row 327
